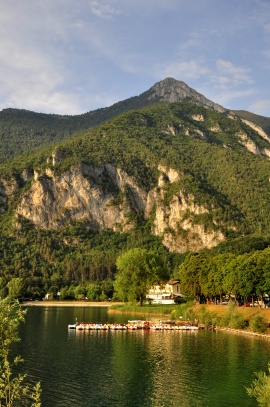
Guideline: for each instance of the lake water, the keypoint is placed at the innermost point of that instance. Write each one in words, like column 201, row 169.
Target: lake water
column 136, row 368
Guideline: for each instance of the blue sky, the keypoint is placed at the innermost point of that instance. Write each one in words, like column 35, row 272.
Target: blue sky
column 73, row 56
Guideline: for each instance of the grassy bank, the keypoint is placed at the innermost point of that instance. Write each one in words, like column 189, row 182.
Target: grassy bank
column 214, row 316
column 165, row 310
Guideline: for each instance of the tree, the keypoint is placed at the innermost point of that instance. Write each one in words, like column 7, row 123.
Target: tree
column 217, row 274
column 138, row 269
column 79, row 292
column 93, row 291
column 16, row 288
column 3, row 288
column 191, row 272
column 13, row 390
column 260, row 388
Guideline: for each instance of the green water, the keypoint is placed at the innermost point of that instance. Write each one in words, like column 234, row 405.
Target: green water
column 136, row 368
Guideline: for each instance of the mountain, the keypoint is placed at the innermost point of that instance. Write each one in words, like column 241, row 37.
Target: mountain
column 199, row 175
column 172, row 176
column 22, row 132
column 171, row 90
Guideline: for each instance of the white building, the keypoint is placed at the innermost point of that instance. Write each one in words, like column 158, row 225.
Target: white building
column 164, row 293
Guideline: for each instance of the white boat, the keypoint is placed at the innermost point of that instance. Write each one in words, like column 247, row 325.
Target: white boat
column 132, row 325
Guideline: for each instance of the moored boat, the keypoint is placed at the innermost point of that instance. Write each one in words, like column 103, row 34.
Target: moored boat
column 133, row 326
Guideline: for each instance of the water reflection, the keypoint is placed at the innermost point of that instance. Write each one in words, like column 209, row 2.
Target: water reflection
column 136, row 368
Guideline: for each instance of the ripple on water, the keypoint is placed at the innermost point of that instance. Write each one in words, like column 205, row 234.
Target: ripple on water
column 131, row 369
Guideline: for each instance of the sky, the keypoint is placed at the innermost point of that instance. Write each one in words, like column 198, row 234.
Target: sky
column 74, row 56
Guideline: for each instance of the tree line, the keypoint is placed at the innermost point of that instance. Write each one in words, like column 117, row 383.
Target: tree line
column 241, row 276
column 90, row 268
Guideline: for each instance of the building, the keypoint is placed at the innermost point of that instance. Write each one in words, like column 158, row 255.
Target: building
column 164, row 293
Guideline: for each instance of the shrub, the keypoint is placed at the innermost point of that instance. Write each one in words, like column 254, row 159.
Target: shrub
column 258, row 323
column 180, row 311
column 205, row 317
column 237, row 321
column 233, row 319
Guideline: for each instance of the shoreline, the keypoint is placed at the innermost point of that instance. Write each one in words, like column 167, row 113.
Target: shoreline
column 243, row 332
column 107, row 304
column 68, row 304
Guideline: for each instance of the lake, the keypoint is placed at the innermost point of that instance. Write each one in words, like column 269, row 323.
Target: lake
column 136, row 368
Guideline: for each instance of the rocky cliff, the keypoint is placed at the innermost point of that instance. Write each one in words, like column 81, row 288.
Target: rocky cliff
column 179, row 167
column 172, row 90
column 106, row 197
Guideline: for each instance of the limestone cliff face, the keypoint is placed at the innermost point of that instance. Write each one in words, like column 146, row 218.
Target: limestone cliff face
column 174, row 221
column 84, row 193
column 105, row 197
column 258, row 129
column 251, row 145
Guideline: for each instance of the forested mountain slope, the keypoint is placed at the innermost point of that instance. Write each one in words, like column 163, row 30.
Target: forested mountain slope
column 173, row 177
column 23, row 132
column 199, row 175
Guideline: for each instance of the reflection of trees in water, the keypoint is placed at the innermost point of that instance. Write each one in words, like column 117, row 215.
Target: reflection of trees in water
column 136, row 368
column 159, row 374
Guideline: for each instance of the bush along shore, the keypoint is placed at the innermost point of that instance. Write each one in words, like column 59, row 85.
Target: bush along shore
column 227, row 318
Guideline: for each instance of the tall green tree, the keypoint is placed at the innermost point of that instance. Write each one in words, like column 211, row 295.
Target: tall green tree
column 137, row 269
column 16, row 288
column 14, row 392
column 192, row 274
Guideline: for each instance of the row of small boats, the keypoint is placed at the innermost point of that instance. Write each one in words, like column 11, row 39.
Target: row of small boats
column 132, row 326
column 97, row 327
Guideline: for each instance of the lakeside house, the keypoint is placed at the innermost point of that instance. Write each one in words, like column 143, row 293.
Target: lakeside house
column 164, row 293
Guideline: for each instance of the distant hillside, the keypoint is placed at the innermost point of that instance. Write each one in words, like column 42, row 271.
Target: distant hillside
column 263, row 122
column 23, row 132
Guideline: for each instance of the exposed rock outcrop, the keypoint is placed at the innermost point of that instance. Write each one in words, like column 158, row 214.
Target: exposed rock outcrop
column 258, row 129
column 251, row 145
column 247, row 142
column 172, row 90
column 106, row 197
column 174, row 222
column 84, row 193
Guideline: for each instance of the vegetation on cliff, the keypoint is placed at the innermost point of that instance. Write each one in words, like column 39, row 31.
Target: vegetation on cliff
column 229, row 182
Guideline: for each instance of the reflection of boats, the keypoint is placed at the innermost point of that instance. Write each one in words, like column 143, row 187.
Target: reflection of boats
column 118, row 327
column 157, row 327
column 187, row 328
column 72, row 326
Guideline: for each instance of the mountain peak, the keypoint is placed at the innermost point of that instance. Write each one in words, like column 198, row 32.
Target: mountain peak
column 172, row 90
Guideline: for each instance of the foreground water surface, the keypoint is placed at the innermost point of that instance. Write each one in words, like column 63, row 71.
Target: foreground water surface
column 136, row 368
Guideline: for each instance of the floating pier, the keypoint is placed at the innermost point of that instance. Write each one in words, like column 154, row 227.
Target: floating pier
column 132, row 326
